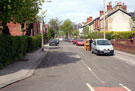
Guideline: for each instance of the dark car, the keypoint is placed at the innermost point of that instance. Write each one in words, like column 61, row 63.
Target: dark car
column 53, row 42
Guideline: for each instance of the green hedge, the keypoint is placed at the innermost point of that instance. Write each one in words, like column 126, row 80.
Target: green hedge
column 34, row 43
column 112, row 35
column 12, row 48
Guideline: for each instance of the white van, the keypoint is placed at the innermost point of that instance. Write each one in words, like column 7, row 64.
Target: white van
column 102, row 46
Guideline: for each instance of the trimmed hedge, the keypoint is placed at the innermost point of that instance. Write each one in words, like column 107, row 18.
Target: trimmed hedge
column 112, row 35
column 13, row 48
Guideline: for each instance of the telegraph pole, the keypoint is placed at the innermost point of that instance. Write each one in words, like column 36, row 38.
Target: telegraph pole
column 104, row 22
column 41, row 28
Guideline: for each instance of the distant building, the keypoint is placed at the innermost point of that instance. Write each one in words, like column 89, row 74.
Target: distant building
column 81, row 28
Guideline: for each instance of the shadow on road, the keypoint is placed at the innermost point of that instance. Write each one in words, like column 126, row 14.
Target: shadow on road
column 58, row 58
column 54, row 58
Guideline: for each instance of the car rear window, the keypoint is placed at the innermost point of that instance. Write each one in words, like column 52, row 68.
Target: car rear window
column 80, row 40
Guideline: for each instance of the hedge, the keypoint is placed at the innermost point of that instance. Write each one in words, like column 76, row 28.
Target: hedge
column 13, row 48
column 112, row 35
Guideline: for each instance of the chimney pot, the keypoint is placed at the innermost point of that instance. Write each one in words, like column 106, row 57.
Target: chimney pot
column 101, row 13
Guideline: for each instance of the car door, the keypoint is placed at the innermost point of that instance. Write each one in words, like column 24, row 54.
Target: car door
column 93, row 46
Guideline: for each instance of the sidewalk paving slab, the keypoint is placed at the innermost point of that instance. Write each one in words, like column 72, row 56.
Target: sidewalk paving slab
column 21, row 69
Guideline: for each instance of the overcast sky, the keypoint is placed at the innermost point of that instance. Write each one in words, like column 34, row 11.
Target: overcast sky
column 78, row 10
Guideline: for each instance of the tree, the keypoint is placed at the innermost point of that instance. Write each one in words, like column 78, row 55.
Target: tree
column 67, row 27
column 86, row 31
column 19, row 11
column 55, row 25
column 51, row 33
column 76, row 33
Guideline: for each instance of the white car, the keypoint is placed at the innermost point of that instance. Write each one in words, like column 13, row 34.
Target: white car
column 102, row 46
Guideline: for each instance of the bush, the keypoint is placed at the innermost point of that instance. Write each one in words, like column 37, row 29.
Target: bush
column 111, row 35
column 34, row 43
column 12, row 48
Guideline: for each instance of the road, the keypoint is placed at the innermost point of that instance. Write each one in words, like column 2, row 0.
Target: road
column 71, row 68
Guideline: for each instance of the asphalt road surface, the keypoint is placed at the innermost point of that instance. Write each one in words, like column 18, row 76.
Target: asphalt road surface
column 70, row 68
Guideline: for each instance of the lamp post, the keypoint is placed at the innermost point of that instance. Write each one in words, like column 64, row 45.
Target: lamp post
column 104, row 22
column 41, row 28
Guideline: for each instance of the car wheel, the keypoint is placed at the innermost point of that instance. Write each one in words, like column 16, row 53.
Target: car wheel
column 92, row 51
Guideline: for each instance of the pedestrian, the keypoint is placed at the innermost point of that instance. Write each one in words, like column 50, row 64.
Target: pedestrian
column 86, row 44
column 90, row 43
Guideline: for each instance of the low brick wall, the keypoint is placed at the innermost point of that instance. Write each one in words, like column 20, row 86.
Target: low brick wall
column 124, row 45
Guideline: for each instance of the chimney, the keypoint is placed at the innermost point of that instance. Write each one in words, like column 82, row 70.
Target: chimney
column 119, row 3
column 124, row 7
column 109, row 6
column 89, row 19
column 101, row 13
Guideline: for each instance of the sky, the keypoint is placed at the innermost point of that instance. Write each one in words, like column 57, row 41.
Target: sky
column 78, row 10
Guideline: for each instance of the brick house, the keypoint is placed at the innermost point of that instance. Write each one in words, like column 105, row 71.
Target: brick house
column 117, row 19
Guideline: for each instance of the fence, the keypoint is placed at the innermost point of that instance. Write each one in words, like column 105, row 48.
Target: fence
column 125, row 45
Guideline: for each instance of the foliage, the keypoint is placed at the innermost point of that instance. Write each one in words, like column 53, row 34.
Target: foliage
column 61, row 33
column 13, row 48
column 34, row 43
column 112, row 35
column 76, row 33
column 86, row 30
column 19, row 11
column 54, row 24
column 51, row 33
column 67, row 27
column 133, row 18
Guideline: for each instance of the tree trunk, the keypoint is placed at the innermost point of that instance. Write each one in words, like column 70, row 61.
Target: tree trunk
column 21, row 30
column 5, row 30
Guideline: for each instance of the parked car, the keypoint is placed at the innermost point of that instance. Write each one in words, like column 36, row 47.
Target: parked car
column 102, row 46
column 53, row 42
column 58, row 41
column 80, row 42
column 68, row 40
column 74, row 41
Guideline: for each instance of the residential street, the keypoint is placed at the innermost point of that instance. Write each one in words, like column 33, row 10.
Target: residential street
column 68, row 67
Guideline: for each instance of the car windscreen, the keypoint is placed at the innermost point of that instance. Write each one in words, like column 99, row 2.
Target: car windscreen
column 103, row 42
column 53, row 40
column 79, row 40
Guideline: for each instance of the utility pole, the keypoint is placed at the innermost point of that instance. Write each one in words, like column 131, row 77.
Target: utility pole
column 41, row 28
column 104, row 22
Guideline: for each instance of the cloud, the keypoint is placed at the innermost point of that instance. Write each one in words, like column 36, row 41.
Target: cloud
column 78, row 10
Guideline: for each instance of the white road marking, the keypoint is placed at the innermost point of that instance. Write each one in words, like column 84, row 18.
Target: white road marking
column 124, row 87
column 89, row 68
column 78, row 56
column 92, row 72
column 90, row 87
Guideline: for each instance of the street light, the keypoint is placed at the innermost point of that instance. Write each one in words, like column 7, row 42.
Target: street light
column 41, row 28
column 104, row 22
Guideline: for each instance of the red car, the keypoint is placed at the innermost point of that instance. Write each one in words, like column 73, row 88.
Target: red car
column 74, row 41
column 80, row 42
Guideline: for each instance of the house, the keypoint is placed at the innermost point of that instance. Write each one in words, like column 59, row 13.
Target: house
column 15, row 29
column 133, row 17
column 81, row 28
column 116, row 19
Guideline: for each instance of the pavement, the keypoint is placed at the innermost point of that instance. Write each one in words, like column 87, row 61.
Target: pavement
column 23, row 68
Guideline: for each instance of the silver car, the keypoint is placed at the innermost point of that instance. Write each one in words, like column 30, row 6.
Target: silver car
column 102, row 46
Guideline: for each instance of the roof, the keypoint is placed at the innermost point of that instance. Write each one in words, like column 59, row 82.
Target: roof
column 91, row 22
column 110, row 14
column 132, row 14
column 117, row 11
